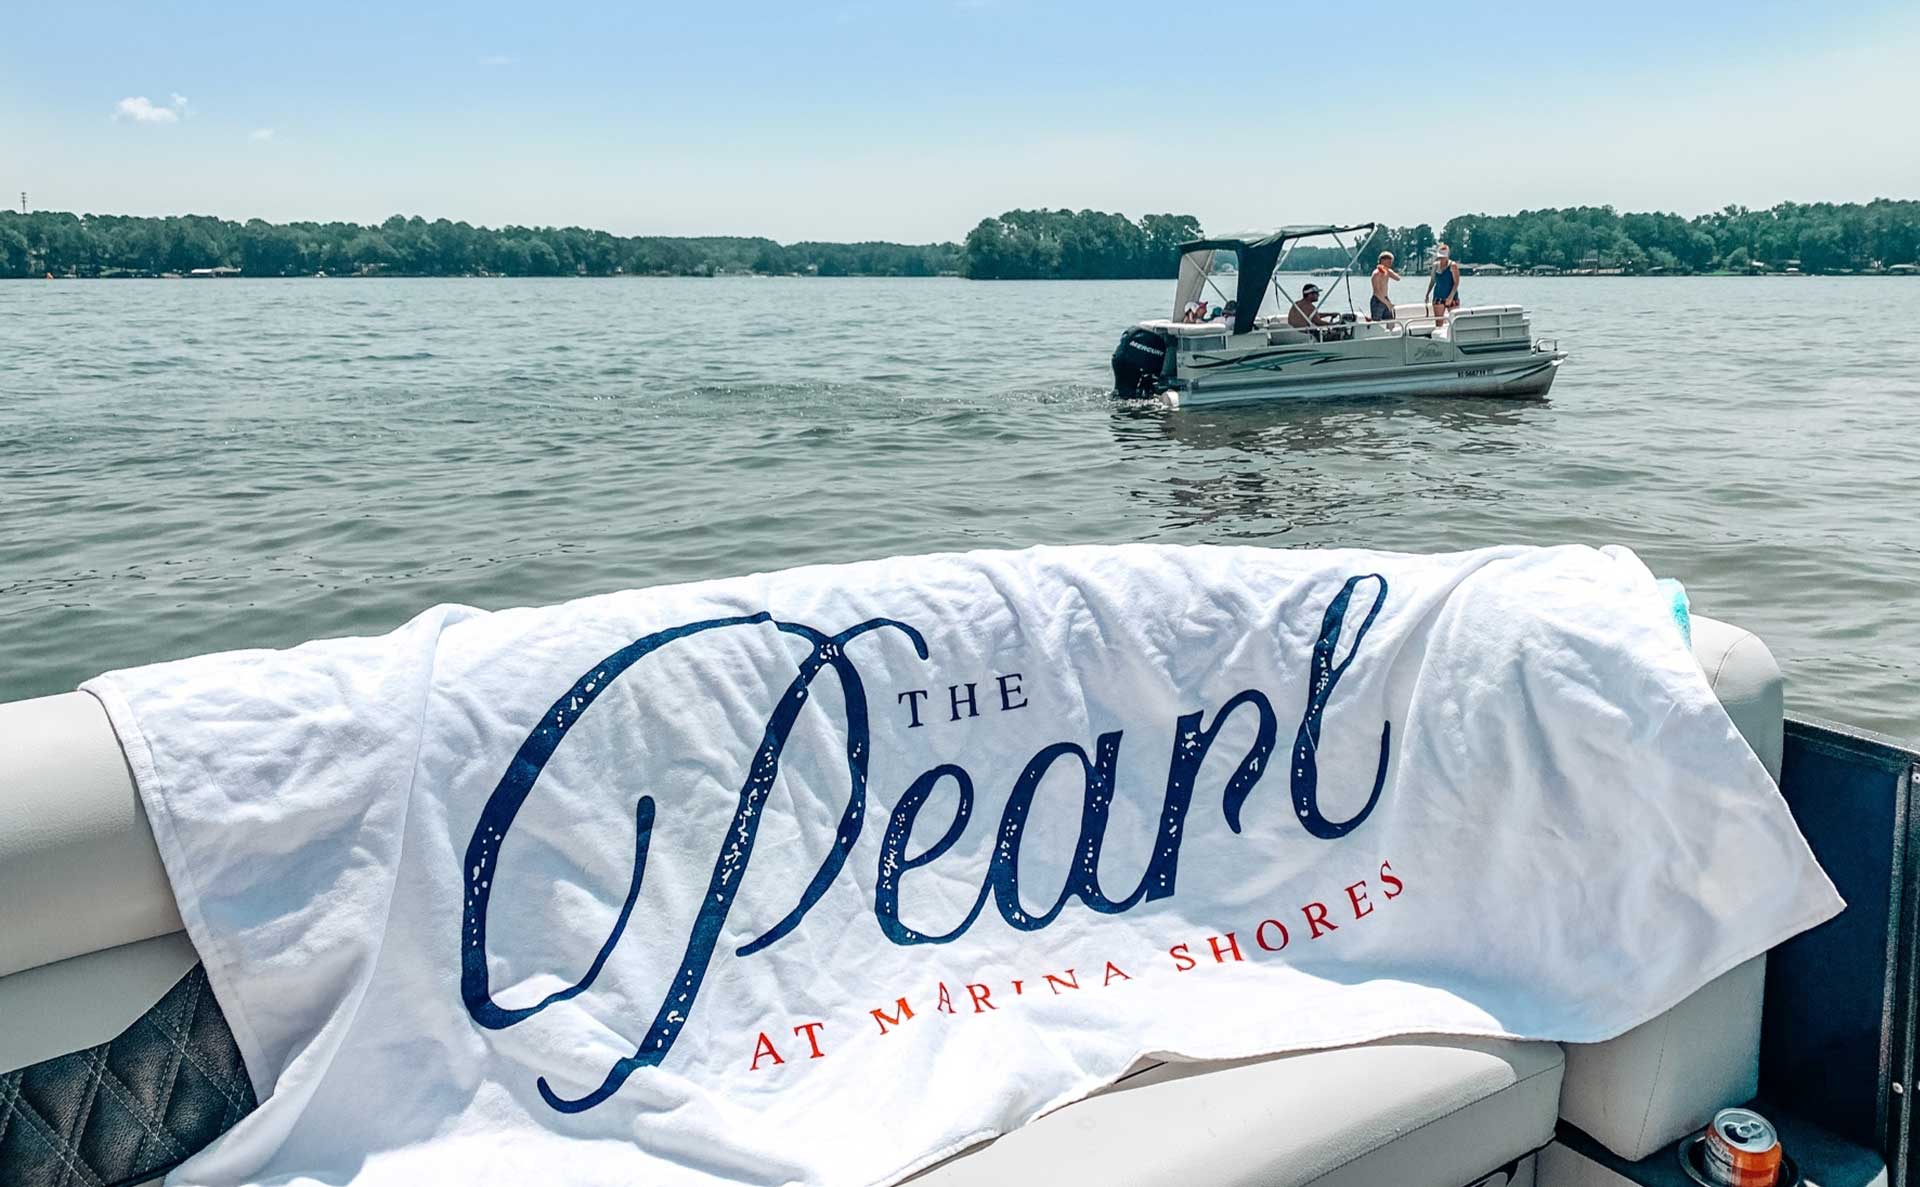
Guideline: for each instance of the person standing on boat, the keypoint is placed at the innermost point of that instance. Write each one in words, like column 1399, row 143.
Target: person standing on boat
column 1379, row 308
column 1443, row 286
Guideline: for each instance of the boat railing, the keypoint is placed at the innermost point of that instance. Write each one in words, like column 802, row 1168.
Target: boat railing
column 1411, row 318
column 1364, row 328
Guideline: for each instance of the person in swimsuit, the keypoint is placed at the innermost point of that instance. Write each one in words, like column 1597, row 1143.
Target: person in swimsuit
column 1379, row 308
column 1443, row 287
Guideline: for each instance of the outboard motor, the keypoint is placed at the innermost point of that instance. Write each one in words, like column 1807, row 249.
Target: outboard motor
column 1139, row 363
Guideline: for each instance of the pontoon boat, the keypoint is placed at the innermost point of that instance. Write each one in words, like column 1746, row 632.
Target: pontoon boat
column 1240, row 353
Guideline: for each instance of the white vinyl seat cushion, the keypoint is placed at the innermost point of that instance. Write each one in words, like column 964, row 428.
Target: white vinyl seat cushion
column 1747, row 681
column 1413, row 1112
column 79, row 871
column 1667, row 1077
column 1198, row 329
column 85, row 1000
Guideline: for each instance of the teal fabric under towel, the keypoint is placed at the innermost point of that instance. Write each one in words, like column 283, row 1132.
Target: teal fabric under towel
column 1676, row 596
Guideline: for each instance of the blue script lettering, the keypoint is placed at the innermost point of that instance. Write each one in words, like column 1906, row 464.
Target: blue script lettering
column 894, row 862
column 1193, row 739
column 1320, row 684
column 496, row 818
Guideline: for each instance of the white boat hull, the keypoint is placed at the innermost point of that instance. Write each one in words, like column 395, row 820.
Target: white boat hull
column 1519, row 374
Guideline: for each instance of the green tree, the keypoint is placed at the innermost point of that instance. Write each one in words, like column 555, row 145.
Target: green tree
column 1065, row 244
column 15, row 258
column 370, row 252
column 267, row 250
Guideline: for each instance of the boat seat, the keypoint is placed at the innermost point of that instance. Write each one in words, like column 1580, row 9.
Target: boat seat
column 1198, row 329
column 1413, row 1112
column 92, row 936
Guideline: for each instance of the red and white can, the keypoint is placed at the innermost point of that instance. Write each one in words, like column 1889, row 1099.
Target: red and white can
column 1742, row 1149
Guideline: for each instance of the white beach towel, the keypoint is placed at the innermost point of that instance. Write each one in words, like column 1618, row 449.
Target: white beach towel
column 819, row 876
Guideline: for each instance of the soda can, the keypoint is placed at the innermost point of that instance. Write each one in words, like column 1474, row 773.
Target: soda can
column 1742, row 1149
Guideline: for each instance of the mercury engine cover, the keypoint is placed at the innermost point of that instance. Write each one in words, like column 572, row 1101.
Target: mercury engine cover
column 1139, row 362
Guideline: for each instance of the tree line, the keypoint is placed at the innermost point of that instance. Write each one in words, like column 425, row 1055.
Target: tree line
column 120, row 245
column 1821, row 237
column 1817, row 237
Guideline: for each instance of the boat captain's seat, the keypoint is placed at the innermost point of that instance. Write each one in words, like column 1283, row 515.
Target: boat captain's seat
column 1278, row 332
column 91, row 940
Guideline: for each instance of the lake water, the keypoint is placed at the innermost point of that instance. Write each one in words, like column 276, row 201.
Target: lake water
column 187, row 467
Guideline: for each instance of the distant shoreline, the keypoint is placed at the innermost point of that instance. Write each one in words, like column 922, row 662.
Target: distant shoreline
column 115, row 247
column 1821, row 239
column 1881, row 237
column 162, row 276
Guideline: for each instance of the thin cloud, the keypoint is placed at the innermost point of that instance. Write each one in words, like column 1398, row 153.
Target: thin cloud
column 142, row 110
column 260, row 134
column 496, row 60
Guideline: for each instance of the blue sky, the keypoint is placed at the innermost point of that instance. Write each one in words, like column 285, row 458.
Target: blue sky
column 913, row 120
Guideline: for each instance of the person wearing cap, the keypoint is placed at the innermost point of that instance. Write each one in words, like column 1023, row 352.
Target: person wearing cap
column 1379, row 308
column 1443, row 286
column 1304, row 313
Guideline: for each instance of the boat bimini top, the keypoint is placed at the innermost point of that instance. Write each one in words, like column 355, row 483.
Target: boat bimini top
column 1257, row 257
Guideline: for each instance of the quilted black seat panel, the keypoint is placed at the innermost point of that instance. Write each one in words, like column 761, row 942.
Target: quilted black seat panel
column 131, row 1108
